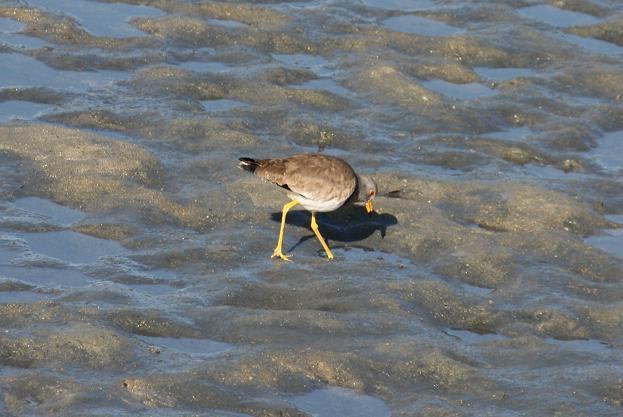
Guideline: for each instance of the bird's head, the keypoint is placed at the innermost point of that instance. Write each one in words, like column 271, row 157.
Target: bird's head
column 367, row 191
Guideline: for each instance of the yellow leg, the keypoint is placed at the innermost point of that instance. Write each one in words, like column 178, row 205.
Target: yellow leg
column 314, row 227
column 278, row 252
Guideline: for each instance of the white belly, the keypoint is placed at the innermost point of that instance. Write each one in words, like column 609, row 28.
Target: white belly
column 313, row 205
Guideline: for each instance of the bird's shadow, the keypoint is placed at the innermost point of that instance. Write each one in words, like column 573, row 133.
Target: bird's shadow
column 349, row 224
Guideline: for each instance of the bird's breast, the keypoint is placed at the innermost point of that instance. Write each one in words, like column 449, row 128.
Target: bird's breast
column 321, row 205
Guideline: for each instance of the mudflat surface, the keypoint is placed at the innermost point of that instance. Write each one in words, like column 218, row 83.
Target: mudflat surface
column 135, row 270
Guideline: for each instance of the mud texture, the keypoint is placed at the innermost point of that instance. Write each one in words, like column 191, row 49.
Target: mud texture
column 135, row 270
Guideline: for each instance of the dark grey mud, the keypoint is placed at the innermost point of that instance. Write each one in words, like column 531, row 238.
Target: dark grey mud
column 135, row 276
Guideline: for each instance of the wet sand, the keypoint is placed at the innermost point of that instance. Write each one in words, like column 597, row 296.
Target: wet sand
column 135, row 270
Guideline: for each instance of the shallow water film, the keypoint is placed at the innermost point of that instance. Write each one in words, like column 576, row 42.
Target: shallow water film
column 135, row 270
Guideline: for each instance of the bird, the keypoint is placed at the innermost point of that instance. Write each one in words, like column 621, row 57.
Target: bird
column 318, row 182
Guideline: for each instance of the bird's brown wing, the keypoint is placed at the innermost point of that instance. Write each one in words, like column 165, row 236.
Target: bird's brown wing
column 314, row 176
column 272, row 170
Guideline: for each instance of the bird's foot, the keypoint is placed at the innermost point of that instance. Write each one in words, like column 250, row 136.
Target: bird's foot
column 279, row 253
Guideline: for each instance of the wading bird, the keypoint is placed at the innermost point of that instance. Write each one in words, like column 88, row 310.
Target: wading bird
column 317, row 182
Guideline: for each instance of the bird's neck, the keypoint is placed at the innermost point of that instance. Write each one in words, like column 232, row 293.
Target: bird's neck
column 356, row 196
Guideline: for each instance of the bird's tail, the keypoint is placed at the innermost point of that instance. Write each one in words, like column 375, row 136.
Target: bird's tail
column 248, row 164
